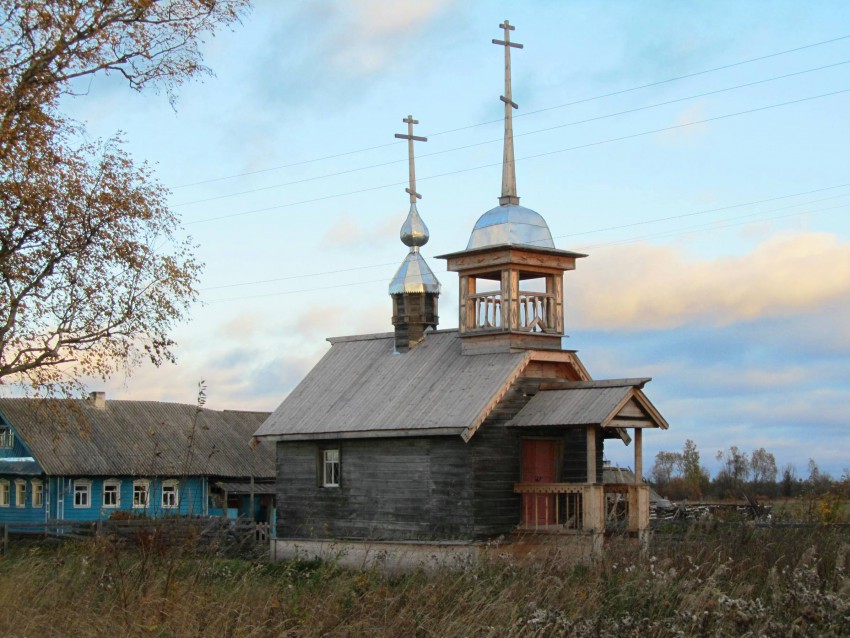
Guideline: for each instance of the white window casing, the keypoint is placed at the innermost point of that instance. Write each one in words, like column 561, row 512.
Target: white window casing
column 141, row 493
column 37, row 493
column 330, row 468
column 170, row 494
column 4, row 493
column 111, row 494
column 82, row 493
column 20, row 493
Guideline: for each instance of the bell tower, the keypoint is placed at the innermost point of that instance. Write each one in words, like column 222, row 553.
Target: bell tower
column 511, row 274
column 414, row 288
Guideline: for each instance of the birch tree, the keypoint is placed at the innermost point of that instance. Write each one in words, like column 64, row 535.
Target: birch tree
column 95, row 270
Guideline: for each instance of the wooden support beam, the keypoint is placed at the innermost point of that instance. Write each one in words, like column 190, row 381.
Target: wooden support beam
column 638, row 456
column 591, row 454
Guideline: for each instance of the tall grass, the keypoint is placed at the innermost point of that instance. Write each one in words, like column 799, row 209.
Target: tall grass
column 738, row 581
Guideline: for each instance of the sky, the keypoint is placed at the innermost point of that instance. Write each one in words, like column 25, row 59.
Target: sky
column 697, row 152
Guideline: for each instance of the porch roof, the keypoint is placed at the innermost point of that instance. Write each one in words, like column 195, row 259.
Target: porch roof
column 617, row 403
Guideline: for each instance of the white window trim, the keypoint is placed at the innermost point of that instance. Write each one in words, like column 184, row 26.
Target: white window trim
column 176, row 485
column 5, row 493
column 37, row 483
column 86, row 483
column 328, row 463
column 111, row 483
column 147, row 485
column 20, row 484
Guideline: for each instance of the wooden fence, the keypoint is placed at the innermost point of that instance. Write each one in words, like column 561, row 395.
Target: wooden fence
column 228, row 536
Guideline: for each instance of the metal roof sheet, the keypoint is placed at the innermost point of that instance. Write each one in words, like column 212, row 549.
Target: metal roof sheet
column 73, row 437
column 360, row 388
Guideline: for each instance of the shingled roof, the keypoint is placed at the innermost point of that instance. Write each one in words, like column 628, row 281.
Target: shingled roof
column 74, row 437
column 361, row 388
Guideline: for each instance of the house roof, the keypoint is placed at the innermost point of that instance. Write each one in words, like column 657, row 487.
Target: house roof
column 73, row 437
column 610, row 403
column 361, row 389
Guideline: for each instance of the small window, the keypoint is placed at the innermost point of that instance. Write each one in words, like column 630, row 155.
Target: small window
column 7, row 439
column 37, row 494
column 20, row 493
column 82, row 493
column 4, row 493
column 111, row 494
column 330, row 468
column 169, row 494
column 140, row 493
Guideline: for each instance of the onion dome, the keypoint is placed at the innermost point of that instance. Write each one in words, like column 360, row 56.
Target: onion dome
column 414, row 232
column 510, row 224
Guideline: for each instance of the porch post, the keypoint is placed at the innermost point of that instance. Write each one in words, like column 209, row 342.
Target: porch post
column 638, row 456
column 591, row 454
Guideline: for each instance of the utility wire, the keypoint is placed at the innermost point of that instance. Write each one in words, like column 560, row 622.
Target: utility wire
column 493, row 141
column 520, row 159
column 527, row 113
column 621, row 242
column 578, row 234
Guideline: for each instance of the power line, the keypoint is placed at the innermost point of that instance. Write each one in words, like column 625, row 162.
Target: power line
column 493, row 141
column 621, row 242
column 528, row 157
column 527, row 113
column 604, row 229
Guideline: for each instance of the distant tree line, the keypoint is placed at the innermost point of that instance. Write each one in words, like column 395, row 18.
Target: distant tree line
column 680, row 475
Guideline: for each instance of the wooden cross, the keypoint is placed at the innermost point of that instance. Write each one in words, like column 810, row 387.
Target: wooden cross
column 509, row 195
column 410, row 137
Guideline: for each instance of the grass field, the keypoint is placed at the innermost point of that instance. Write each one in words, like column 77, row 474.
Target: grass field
column 731, row 581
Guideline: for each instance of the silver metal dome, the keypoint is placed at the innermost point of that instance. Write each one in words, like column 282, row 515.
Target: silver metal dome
column 510, row 224
column 414, row 232
column 414, row 276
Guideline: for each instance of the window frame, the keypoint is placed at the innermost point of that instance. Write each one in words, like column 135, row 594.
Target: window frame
column 173, row 486
column 5, row 493
column 331, row 467
column 81, row 486
column 37, row 490
column 111, row 483
column 20, row 491
column 146, row 485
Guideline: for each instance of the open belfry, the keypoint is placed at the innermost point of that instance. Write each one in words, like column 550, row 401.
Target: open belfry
column 487, row 430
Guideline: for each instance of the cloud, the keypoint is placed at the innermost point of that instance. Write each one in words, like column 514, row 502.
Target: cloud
column 350, row 231
column 640, row 287
column 364, row 37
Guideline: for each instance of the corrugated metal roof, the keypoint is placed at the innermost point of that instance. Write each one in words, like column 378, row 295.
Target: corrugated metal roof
column 72, row 437
column 584, row 403
column 361, row 388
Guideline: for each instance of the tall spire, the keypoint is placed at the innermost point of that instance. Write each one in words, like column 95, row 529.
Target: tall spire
column 414, row 232
column 509, row 195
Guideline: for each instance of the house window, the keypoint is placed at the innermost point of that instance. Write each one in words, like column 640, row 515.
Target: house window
column 4, row 493
column 82, row 493
column 111, row 494
column 20, row 493
column 7, row 439
column 169, row 494
column 140, row 493
column 330, row 468
column 37, row 494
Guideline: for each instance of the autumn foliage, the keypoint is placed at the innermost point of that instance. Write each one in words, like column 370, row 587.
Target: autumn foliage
column 94, row 268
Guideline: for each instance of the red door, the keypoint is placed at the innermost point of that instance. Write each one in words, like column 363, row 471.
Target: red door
column 539, row 463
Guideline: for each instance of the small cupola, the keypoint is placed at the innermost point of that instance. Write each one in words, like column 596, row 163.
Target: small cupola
column 511, row 274
column 414, row 288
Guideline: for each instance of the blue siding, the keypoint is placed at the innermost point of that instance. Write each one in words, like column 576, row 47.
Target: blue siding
column 59, row 499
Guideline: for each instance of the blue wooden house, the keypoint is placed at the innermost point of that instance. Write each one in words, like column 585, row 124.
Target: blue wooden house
column 95, row 459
